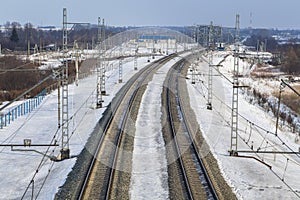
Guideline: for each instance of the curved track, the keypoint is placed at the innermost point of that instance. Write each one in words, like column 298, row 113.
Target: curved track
column 102, row 167
column 189, row 164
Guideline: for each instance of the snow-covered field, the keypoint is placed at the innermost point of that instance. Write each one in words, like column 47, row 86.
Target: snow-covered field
column 250, row 178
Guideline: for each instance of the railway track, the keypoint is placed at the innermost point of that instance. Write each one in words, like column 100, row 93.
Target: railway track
column 99, row 181
column 189, row 165
column 94, row 175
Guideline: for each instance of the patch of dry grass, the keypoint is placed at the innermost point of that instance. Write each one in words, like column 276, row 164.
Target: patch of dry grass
column 291, row 99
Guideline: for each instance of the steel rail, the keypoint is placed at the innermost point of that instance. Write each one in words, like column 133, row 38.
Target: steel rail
column 173, row 132
column 145, row 71
column 212, row 192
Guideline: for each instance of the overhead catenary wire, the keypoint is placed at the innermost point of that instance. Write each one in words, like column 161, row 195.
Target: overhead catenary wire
column 40, row 164
column 52, row 165
column 11, row 136
column 16, row 69
column 258, row 127
column 43, row 160
column 27, row 91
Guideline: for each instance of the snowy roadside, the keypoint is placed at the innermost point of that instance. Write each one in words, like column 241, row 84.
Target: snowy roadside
column 249, row 178
column 17, row 168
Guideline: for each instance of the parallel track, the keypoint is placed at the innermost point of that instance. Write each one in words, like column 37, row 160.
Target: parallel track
column 105, row 173
column 184, row 143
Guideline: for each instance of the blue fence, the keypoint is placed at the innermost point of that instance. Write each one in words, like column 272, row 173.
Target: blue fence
column 22, row 109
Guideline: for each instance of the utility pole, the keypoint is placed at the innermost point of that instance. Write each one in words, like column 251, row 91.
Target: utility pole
column 135, row 63
column 281, row 87
column 103, row 91
column 235, row 88
column 193, row 74
column 76, row 51
column 167, row 51
column 210, row 63
column 28, row 49
column 121, row 64
column 135, row 57
column 153, row 46
column 120, row 70
column 99, row 66
column 250, row 26
column 65, row 151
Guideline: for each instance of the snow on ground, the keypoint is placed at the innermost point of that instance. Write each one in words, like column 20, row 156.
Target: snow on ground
column 18, row 167
column 149, row 179
column 249, row 178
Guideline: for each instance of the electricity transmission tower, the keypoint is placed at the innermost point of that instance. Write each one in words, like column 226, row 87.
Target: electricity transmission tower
column 235, row 88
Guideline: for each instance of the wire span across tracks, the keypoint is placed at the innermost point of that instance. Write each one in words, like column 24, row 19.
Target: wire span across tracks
column 129, row 90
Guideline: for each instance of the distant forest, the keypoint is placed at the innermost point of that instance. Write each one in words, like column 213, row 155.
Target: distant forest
column 15, row 37
column 289, row 52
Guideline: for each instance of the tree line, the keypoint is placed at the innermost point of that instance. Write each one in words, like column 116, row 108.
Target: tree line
column 16, row 37
column 289, row 52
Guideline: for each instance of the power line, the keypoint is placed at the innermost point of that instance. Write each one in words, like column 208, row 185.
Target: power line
column 27, row 91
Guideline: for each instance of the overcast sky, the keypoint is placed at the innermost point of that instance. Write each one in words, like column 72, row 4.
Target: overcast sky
column 265, row 13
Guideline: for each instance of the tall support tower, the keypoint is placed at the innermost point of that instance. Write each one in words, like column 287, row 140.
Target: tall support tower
column 193, row 74
column 65, row 151
column 135, row 57
column 135, row 63
column 167, row 50
column 210, row 63
column 121, row 65
column 76, row 50
column 99, row 66
column 120, row 70
column 235, row 88
column 103, row 91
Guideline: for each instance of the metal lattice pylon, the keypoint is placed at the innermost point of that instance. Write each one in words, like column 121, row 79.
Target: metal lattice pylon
column 76, row 50
column 135, row 62
column 99, row 79
column 193, row 74
column 235, row 88
column 210, row 63
column 103, row 91
column 120, row 70
column 65, row 151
